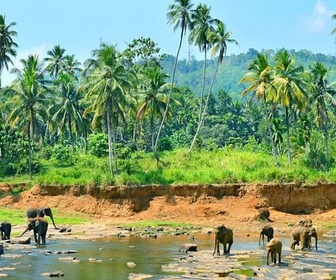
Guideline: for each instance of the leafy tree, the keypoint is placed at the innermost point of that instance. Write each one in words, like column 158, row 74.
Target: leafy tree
column 66, row 110
column 105, row 84
column 322, row 98
column 154, row 97
column 260, row 79
column 219, row 38
column 7, row 45
column 290, row 89
column 28, row 100
column 179, row 16
column 55, row 60
column 200, row 25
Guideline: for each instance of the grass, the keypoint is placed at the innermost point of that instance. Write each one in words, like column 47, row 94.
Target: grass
column 180, row 167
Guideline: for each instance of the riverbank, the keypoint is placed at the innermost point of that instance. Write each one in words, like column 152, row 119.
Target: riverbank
column 236, row 206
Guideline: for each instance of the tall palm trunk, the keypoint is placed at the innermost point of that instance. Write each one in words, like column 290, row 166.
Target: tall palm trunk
column 202, row 110
column 287, row 130
column 70, row 134
column 200, row 123
column 275, row 154
column 169, row 96
column 109, row 135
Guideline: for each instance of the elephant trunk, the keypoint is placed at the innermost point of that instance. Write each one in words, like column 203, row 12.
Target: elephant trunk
column 52, row 219
column 316, row 242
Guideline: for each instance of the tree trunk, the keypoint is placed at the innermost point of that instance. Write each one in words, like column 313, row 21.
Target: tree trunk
column 200, row 123
column 109, row 135
column 288, row 142
column 202, row 110
column 169, row 97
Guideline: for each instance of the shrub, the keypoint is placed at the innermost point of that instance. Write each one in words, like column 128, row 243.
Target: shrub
column 98, row 144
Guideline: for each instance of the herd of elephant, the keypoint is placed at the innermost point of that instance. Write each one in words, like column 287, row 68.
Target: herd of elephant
column 36, row 222
column 301, row 234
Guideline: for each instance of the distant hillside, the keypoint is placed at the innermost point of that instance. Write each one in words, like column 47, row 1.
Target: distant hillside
column 233, row 68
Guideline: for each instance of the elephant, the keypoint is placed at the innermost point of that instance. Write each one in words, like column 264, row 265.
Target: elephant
column 5, row 228
column 267, row 231
column 273, row 248
column 302, row 234
column 41, row 212
column 223, row 235
column 264, row 214
column 40, row 227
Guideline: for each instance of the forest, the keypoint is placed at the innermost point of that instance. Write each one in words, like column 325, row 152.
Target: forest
column 125, row 116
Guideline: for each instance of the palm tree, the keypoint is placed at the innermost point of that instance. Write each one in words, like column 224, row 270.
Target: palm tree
column 55, row 60
column 322, row 98
column 7, row 45
column 66, row 111
column 334, row 30
column 201, row 25
column 105, row 84
column 219, row 38
column 179, row 16
column 154, row 98
column 260, row 79
column 71, row 65
column 290, row 90
column 28, row 99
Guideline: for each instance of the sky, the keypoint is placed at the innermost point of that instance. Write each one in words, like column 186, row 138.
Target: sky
column 80, row 26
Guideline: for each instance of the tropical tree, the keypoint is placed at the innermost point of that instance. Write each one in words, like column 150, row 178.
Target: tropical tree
column 66, row 110
column 290, row 89
column 7, row 45
column 55, row 60
column 260, row 79
column 322, row 98
column 219, row 38
column 71, row 65
column 201, row 24
column 179, row 16
column 27, row 100
column 334, row 30
column 153, row 98
column 105, row 84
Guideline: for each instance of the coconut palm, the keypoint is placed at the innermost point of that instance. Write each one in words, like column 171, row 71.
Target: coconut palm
column 201, row 25
column 322, row 98
column 66, row 110
column 28, row 100
column 105, row 84
column 334, row 30
column 290, row 89
column 55, row 60
column 153, row 98
column 179, row 16
column 71, row 65
column 7, row 45
column 219, row 38
column 260, row 79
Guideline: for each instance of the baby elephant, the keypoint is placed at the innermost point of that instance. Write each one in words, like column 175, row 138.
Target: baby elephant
column 223, row 235
column 273, row 248
column 267, row 231
column 40, row 227
column 302, row 235
column 5, row 228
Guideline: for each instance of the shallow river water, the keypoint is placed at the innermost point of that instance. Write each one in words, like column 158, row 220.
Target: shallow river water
column 135, row 257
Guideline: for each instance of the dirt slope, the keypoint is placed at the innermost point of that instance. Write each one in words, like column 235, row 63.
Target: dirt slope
column 233, row 205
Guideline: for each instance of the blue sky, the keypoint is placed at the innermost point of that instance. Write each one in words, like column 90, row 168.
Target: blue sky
column 79, row 26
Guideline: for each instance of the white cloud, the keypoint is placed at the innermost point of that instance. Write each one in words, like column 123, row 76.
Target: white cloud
column 40, row 50
column 317, row 20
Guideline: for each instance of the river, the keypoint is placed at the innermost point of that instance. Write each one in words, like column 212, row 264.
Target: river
column 134, row 257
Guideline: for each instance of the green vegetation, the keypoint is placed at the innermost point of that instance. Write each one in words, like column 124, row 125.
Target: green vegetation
column 225, row 165
column 18, row 217
column 116, row 119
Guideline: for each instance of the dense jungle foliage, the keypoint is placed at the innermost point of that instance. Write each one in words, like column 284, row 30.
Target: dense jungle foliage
column 137, row 116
